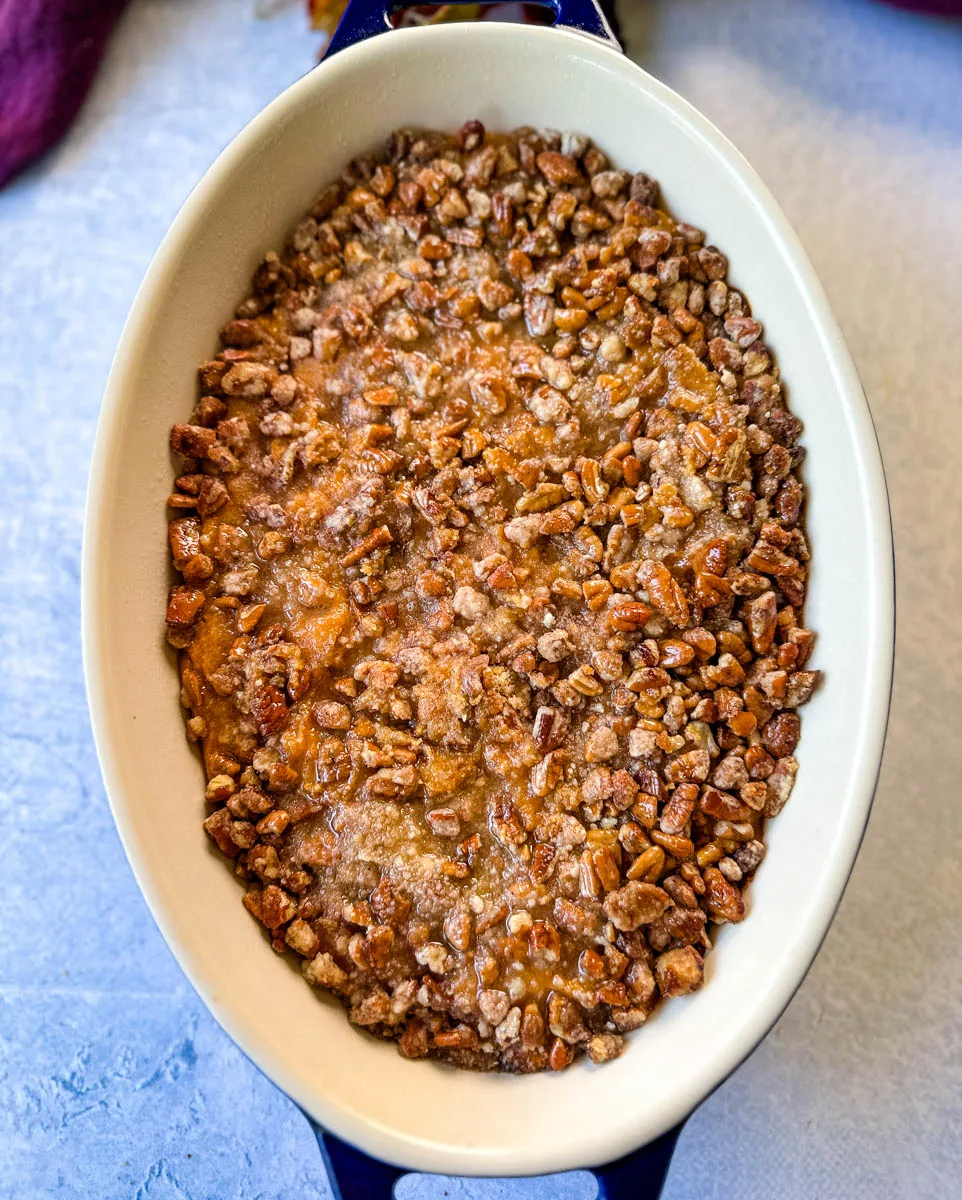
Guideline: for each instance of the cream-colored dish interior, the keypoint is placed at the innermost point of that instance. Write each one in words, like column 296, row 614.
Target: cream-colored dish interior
column 418, row 1113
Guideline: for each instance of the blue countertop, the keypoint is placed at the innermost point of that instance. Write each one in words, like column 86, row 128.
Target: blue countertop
column 114, row 1081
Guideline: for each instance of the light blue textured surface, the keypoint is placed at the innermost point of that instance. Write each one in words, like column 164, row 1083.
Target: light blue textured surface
column 114, row 1081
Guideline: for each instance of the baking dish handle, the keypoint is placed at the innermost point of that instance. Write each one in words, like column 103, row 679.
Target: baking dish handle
column 365, row 18
column 353, row 1175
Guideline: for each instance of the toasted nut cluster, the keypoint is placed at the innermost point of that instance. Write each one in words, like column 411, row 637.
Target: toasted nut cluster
column 490, row 612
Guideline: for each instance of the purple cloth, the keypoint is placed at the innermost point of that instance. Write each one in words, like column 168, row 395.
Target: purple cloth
column 49, row 54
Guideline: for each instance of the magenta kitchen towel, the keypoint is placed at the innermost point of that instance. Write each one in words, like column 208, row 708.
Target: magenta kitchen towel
column 49, row 54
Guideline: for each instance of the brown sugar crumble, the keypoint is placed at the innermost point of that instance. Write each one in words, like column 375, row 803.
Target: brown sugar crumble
column 490, row 621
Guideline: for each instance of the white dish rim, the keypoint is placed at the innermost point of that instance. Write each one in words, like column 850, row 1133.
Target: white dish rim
column 867, row 750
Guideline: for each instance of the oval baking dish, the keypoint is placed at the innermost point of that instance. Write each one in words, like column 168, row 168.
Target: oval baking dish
column 420, row 1115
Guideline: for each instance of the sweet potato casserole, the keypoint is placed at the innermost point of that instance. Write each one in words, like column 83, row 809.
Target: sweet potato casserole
column 490, row 620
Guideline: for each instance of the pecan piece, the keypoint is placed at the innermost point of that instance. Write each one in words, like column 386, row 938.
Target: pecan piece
column 184, row 535
column 394, row 782
column 722, row 897
column 184, row 607
column 762, row 613
column 635, row 904
column 550, row 726
column 269, row 709
column 381, row 536
column 192, row 441
column 629, row 617
column 679, row 971
column 558, row 168
column 665, row 592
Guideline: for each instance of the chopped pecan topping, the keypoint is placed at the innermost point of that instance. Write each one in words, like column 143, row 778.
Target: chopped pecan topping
column 491, row 571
